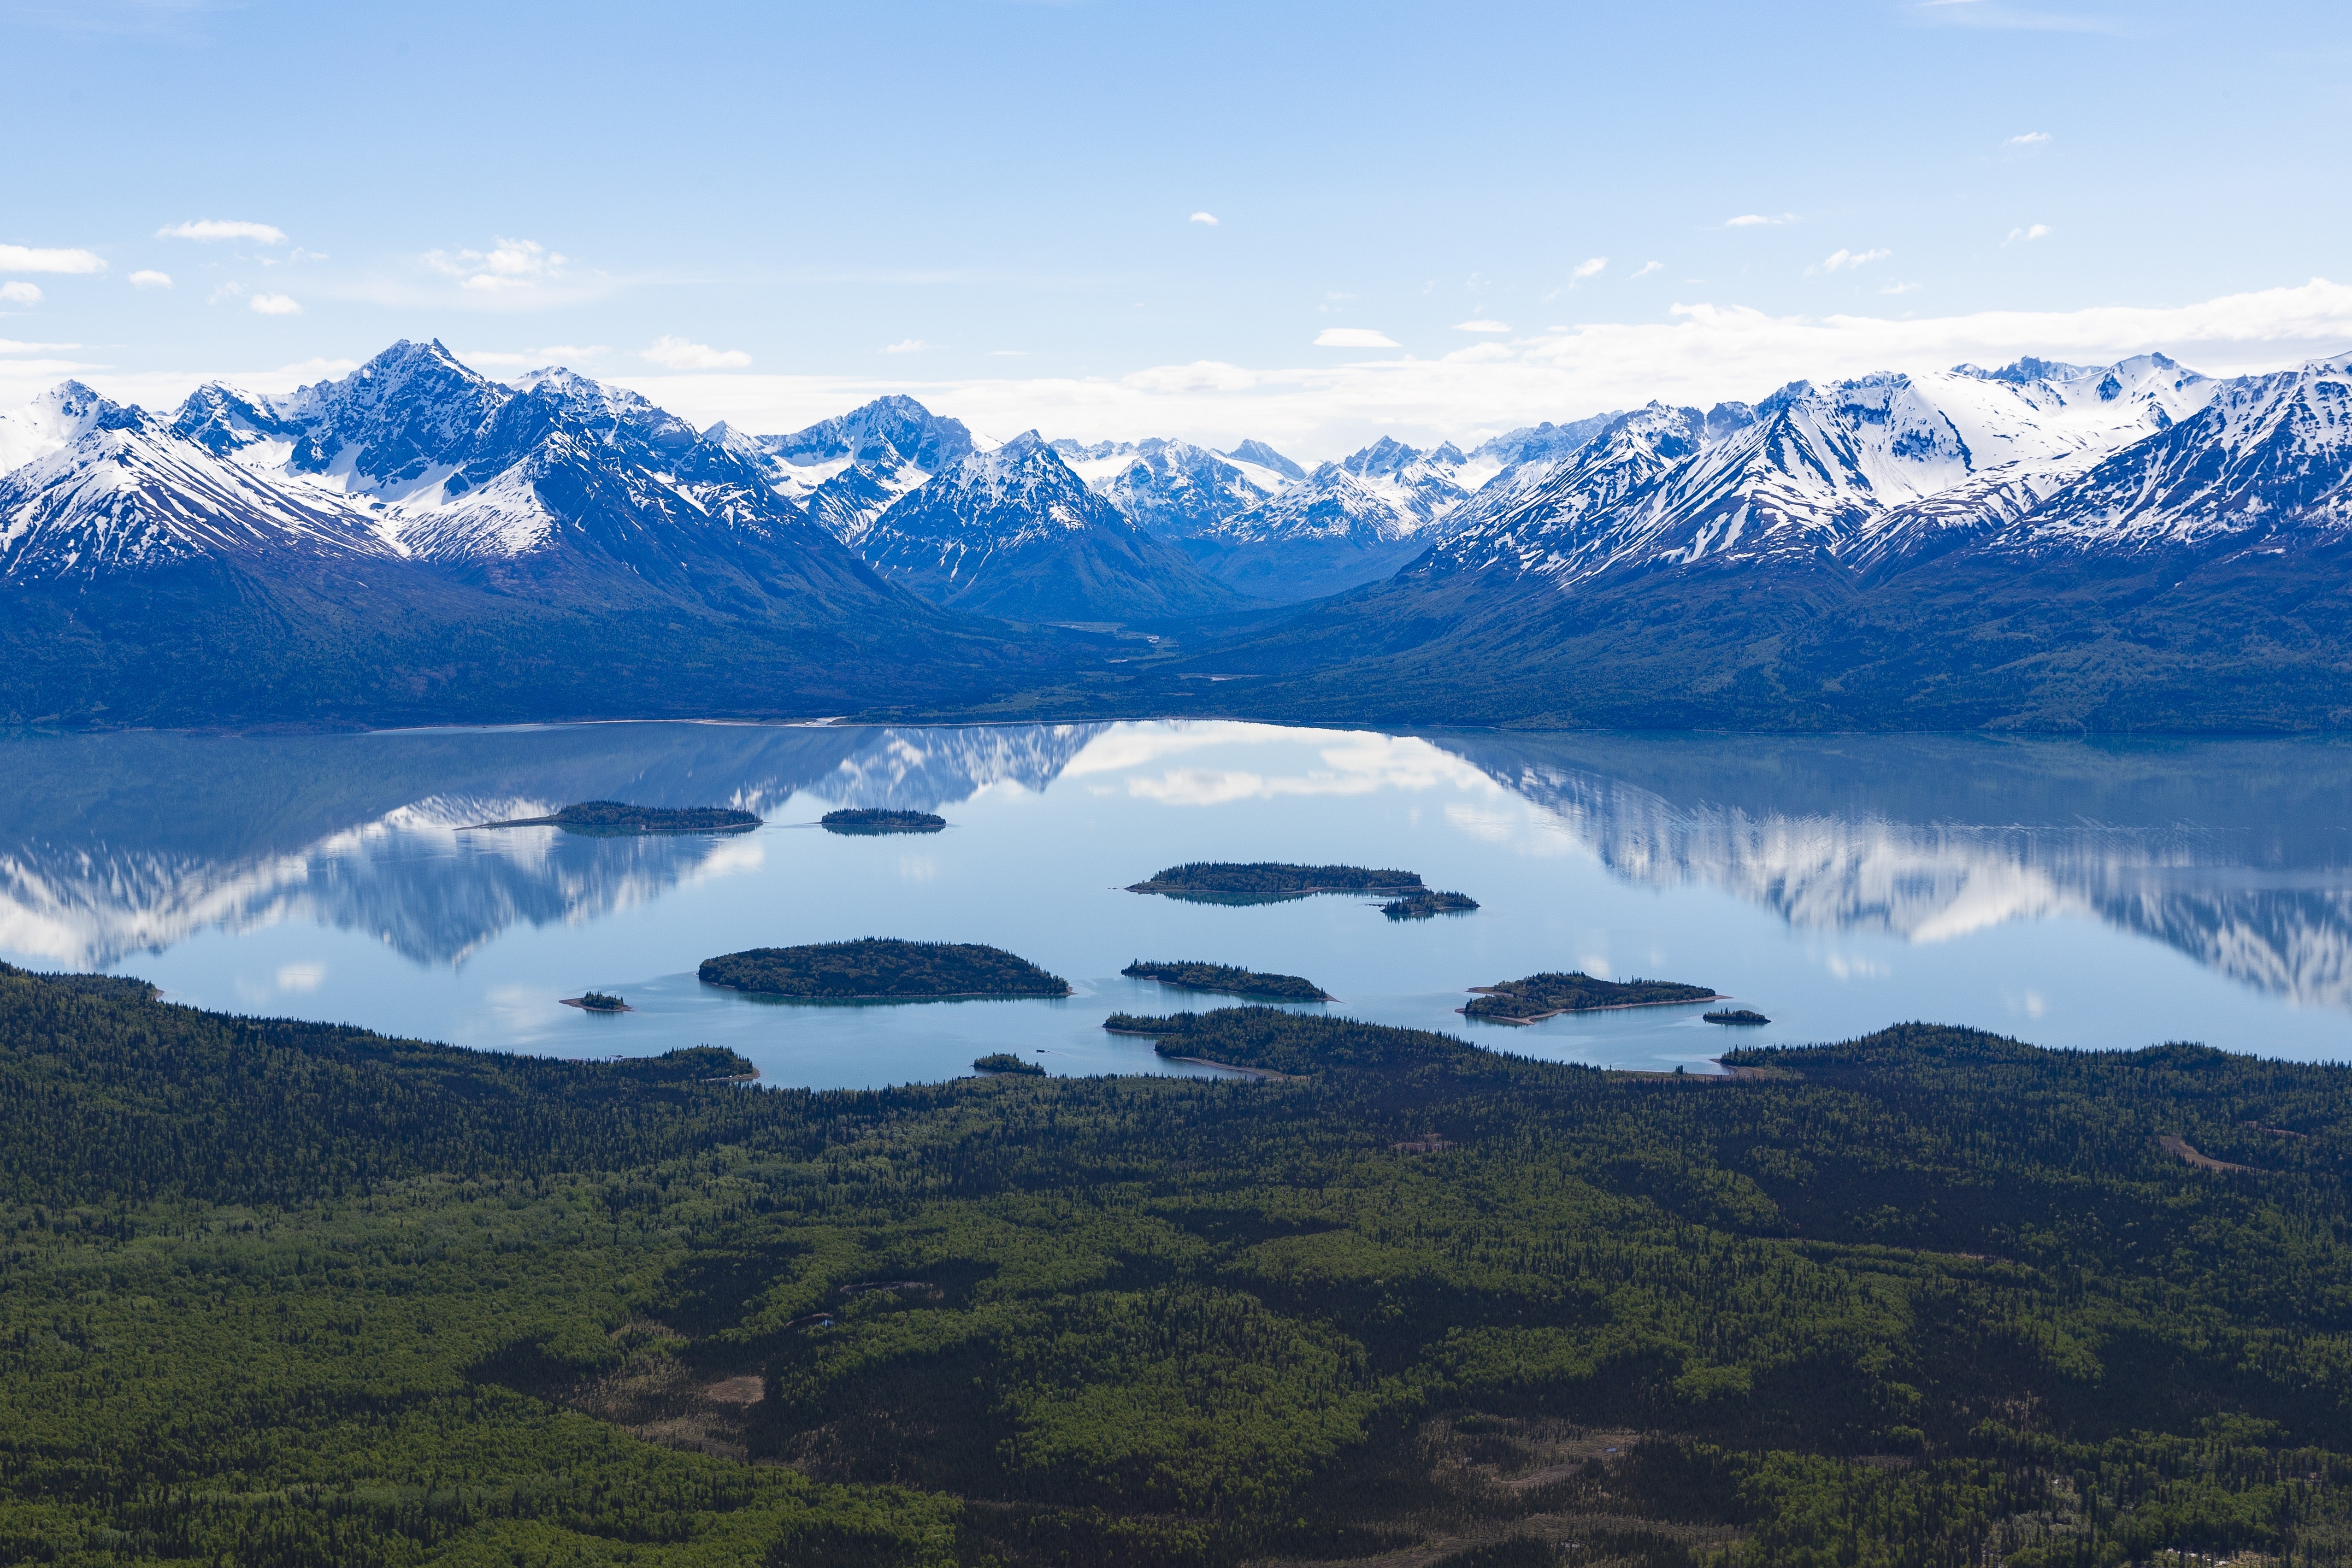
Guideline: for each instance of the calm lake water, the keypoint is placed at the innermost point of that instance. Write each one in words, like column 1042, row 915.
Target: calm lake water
column 2073, row 894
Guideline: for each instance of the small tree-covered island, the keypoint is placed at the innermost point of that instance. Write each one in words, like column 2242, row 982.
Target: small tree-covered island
column 1736, row 1015
column 1547, row 995
column 612, row 819
column 1005, row 1061
column 1271, row 881
column 870, row 821
column 881, row 969
column 1427, row 904
column 1227, row 981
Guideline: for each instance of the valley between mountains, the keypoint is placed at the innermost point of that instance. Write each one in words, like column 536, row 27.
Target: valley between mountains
column 2042, row 546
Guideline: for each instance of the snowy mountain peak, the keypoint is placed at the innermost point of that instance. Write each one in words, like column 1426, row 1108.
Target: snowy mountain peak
column 54, row 419
column 1266, row 457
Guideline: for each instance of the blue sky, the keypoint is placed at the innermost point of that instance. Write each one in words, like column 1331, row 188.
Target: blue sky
column 1487, row 213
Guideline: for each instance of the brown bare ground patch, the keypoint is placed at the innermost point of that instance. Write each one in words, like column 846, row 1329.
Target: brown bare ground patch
column 655, row 1396
column 2179, row 1149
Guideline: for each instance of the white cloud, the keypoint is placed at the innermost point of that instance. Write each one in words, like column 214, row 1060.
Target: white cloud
column 533, row 359
column 1650, row 267
column 273, row 305
column 2031, row 139
column 1590, row 267
column 29, row 258
column 1758, row 220
column 212, row 228
column 2034, row 232
column 1354, row 338
column 678, row 354
column 1482, row 326
column 509, row 266
column 148, row 278
column 1846, row 261
column 1208, row 218
column 1900, row 289
column 908, row 346
column 10, row 346
column 301, row 976
column 20, row 294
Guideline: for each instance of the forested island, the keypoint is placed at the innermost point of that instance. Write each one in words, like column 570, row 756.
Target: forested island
column 1736, row 1015
column 1226, row 979
column 1547, row 995
column 613, row 818
column 1005, row 1061
column 1426, row 904
column 881, row 969
column 871, row 820
column 598, row 1002
column 1269, row 881
column 298, row 1294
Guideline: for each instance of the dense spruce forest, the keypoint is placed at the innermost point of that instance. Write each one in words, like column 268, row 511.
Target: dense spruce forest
column 290, row 1294
column 881, row 969
column 1540, row 997
column 1227, row 980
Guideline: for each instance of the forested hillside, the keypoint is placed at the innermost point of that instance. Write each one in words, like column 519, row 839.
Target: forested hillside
column 284, row 1293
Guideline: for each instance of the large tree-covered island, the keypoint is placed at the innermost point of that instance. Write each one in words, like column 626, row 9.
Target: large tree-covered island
column 881, row 969
column 870, row 821
column 613, row 818
column 1547, row 995
column 1226, row 979
column 1269, row 881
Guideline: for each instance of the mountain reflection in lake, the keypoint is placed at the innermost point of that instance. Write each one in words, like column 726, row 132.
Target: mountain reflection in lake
column 2074, row 893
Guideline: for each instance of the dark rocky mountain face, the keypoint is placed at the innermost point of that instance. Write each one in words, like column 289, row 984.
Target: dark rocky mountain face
column 1014, row 532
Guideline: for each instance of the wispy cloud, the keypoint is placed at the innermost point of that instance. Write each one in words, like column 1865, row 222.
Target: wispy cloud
column 1208, row 218
column 534, row 359
column 15, row 293
column 908, row 346
column 209, row 229
column 509, row 266
column 148, row 278
column 2034, row 231
column 1354, row 338
column 1482, row 326
column 2029, row 141
column 1650, row 267
column 2013, row 18
column 9, row 346
column 1900, row 289
column 274, row 305
column 678, row 353
column 31, row 258
column 1844, row 261
column 1588, row 267
column 1758, row 220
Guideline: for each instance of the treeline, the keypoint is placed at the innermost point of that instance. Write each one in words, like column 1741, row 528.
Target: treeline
column 284, row 1293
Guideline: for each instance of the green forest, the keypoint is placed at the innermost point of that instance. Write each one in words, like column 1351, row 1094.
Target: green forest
column 877, row 968
column 1545, row 995
column 284, row 1293
column 1226, row 979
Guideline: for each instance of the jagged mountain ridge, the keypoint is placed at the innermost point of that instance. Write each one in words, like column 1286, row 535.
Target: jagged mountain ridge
column 1016, row 532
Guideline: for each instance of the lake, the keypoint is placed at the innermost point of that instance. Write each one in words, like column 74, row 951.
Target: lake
column 2100, row 894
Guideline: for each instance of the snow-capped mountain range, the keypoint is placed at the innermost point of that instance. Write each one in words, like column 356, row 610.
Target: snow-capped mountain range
column 418, row 500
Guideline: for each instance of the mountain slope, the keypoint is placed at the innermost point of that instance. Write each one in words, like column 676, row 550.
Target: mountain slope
column 1016, row 532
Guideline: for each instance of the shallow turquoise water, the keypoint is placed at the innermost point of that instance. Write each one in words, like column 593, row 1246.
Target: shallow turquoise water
column 2073, row 894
